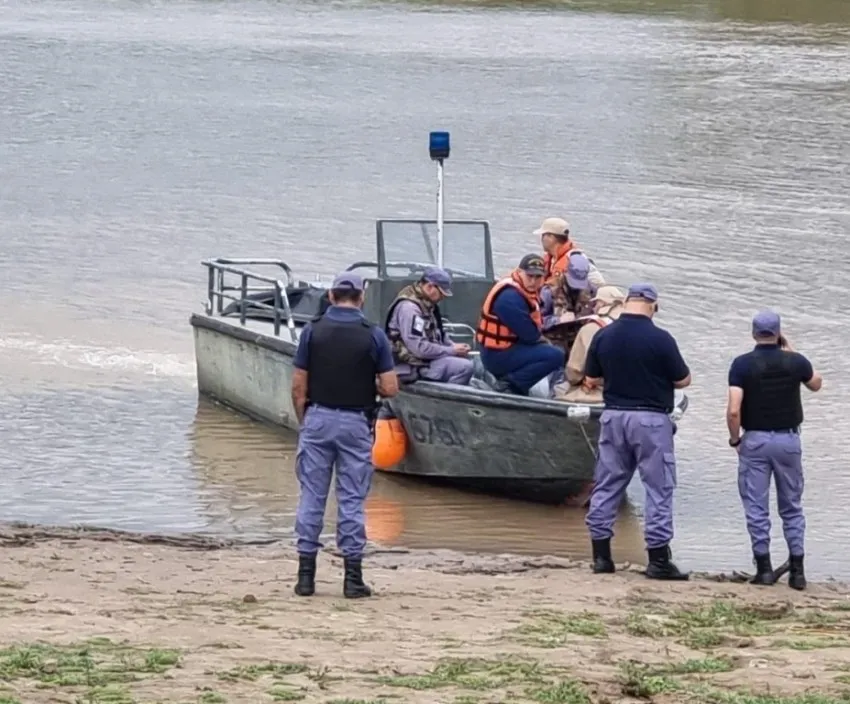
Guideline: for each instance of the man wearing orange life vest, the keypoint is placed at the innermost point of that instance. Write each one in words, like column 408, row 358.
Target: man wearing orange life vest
column 554, row 236
column 608, row 304
column 509, row 333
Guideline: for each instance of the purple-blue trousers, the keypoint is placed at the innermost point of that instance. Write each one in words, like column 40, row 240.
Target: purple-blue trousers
column 333, row 439
column 629, row 441
column 762, row 454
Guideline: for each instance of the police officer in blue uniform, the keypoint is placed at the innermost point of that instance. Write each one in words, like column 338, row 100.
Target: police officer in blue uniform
column 639, row 366
column 764, row 402
column 342, row 363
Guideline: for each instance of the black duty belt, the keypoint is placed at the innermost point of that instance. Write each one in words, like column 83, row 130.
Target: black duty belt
column 364, row 411
column 641, row 409
column 788, row 431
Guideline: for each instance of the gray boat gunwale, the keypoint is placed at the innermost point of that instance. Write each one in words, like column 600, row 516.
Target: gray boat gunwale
column 431, row 389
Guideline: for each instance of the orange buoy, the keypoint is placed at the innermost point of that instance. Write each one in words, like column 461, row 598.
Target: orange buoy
column 390, row 444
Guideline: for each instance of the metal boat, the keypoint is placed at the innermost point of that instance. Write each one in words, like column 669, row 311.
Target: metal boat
column 537, row 449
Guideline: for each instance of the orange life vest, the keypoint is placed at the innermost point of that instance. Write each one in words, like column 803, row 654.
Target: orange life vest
column 557, row 265
column 492, row 333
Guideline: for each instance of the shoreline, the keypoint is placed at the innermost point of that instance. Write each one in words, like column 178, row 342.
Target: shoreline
column 446, row 561
column 93, row 616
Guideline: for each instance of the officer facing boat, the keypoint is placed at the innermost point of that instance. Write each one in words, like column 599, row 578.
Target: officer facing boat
column 342, row 363
column 764, row 402
column 639, row 366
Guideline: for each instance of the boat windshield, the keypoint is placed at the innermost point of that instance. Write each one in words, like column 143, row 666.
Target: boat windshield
column 407, row 242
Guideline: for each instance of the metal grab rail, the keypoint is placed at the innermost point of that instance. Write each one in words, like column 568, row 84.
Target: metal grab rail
column 461, row 330
column 217, row 291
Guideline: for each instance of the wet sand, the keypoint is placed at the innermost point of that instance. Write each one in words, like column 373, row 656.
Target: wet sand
column 89, row 616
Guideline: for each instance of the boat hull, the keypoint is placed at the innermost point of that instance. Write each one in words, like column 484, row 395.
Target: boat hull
column 507, row 447
column 527, row 448
column 518, row 446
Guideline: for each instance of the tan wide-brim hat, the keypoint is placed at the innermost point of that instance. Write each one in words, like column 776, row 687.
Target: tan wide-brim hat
column 609, row 294
column 553, row 226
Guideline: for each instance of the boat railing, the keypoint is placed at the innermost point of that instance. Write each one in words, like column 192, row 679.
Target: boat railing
column 220, row 289
column 460, row 332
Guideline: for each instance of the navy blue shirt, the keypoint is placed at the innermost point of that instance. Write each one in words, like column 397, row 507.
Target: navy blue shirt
column 512, row 309
column 381, row 350
column 639, row 363
column 742, row 365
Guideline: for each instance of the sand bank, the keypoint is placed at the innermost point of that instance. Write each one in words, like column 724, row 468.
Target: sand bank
column 103, row 617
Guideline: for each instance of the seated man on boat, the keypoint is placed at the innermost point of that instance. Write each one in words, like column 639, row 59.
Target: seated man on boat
column 421, row 348
column 565, row 302
column 608, row 304
column 510, row 330
column 554, row 236
column 570, row 297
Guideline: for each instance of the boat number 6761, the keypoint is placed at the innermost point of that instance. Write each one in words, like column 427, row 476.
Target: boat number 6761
column 433, row 430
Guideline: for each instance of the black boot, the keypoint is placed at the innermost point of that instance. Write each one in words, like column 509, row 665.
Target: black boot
column 353, row 587
column 602, row 562
column 660, row 566
column 306, row 585
column 764, row 571
column 796, row 575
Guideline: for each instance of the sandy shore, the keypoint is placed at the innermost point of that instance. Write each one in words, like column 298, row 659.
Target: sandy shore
column 105, row 617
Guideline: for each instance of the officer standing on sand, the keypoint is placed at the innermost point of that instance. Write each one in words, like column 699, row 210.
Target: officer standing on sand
column 639, row 366
column 342, row 363
column 764, row 402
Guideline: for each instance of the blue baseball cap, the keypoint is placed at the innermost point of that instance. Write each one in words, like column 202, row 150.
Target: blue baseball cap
column 440, row 278
column 766, row 324
column 578, row 272
column 533, row 265
column 647, row 292
column 348, row 281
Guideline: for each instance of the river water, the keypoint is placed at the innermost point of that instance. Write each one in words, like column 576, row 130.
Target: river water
column 701, row 145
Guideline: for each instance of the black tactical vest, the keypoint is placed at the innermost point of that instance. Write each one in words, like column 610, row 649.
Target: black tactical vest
column 430, row 313
column 341, row 372
column 772, row 394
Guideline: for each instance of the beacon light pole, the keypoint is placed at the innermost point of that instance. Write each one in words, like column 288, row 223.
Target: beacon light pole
column 439, row 149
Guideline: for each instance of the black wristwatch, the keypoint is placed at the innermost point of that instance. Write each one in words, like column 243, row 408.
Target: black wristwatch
column 735, row 443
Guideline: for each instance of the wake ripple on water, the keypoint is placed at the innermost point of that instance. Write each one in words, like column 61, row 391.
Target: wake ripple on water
column 17, row 352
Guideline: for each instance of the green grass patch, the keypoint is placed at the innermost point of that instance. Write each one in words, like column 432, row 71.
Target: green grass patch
column 251, row 673
column 285, row 694
column 95, row 663
column 709, row 625
column 567, row 691
column 647, row 681
column 641, row 681
column 699, row 666
column 550, row 629
column 212, row 698
column 473, row 674
column 810, row 643
column 719, row 696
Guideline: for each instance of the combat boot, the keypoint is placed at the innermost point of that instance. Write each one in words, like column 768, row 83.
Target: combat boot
column 661, row 567
column 796, row 575
column 306, row 585
column 764, row 571
column 353, row 586
column 602, row 562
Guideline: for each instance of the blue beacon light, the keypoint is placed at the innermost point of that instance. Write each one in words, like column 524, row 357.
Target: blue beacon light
column 439, row 145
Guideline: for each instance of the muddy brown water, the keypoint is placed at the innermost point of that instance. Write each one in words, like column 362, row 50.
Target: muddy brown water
column 701, row 145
